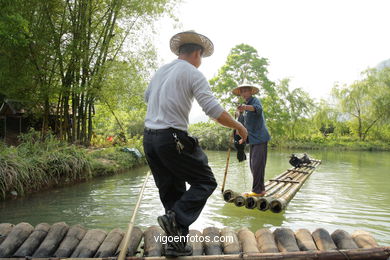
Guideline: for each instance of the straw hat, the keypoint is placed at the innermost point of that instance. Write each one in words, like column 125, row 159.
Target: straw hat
column 236, row 91
column 191, row 37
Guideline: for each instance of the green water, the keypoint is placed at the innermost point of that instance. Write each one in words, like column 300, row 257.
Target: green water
column 350, row 190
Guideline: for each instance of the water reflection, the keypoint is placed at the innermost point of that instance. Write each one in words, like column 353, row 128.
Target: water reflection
column 350, row 191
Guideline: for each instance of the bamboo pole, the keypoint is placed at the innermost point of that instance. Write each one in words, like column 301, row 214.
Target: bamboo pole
column 123, row 252
column 227, row 160
column 279, row 203
column 229, row 195
column 279, row 190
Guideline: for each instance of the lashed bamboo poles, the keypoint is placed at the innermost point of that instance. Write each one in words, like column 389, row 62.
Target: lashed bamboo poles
column 79, row 242
column 281, row 200
column 279, row 190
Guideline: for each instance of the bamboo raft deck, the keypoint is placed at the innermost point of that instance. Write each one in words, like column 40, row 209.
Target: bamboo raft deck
column 60, row 241
column 279, row 190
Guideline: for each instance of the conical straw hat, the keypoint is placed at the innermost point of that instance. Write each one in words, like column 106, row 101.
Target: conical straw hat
column 191, row 37
column 236, row 91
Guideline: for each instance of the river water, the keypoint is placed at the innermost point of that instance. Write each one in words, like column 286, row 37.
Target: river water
column 349, row 190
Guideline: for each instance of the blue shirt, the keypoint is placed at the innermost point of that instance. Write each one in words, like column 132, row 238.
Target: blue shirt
column 255, row 123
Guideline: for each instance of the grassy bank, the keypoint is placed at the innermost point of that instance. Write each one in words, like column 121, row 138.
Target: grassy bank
column 40, row 164
column 338, row 145
column 214, row 137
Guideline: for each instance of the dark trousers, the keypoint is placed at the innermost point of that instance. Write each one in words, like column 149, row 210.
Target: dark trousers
column 257, row 162
column 171, row 170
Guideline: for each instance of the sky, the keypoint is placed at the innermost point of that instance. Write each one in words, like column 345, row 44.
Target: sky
column 314, row 43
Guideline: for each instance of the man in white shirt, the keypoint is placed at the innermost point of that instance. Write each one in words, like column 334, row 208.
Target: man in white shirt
column 174, row 157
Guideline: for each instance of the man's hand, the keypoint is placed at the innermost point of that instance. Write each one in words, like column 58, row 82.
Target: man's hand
column 227, row 120
column 243, row 133
column 240, row 108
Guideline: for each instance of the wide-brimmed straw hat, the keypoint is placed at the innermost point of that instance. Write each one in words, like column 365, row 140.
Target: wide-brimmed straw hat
column 182, row 38
column 236, row 91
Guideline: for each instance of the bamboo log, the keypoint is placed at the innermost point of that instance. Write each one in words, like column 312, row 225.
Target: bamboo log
column 151, row 246
column 5, row 229
column 33, row 241
column 239, row 201
column 295, row 178
column 263, row 203
column 212, row 245
column 285, row 240
column 110, row 244
column 72, row 239
column 343, row 240
column 279, row 204
column 90, row 243
column 55, row 235
column 279, row 190
column 266, row 241
column 135, row 240
column 272, row 191
column 230, row 245
column 270, row 184
column 305, row 240
column 251, row 202
column 229, row 195
column 195, row 242
column 248, row 241
column 15, row 238
column 323, row 240
column 364, row 239
column 284, row 184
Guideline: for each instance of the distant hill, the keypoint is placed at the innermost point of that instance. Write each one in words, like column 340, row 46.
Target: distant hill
column 383, row 64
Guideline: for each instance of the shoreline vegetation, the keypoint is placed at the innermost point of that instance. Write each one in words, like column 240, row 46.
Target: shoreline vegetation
column 38, row 164
column 213, row 137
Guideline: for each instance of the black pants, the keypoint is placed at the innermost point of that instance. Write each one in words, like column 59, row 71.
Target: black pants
column 257, row 162
column 171, row 170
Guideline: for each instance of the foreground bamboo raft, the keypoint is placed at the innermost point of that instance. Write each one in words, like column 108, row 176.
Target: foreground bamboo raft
column 279, row 190
column 62, row 241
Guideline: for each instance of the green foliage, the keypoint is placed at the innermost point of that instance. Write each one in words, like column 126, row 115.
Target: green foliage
column 110, row 160
column 38, row 163
column 63, row 57
column 211, row 135
column 365, row 103
column 360, row 111
column 243, row 65
column 41, row 163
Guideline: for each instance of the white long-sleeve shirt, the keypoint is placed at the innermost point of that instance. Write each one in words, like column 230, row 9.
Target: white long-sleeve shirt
column 171, row 92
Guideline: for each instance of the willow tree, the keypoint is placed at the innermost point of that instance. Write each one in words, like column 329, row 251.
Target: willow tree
column 65, row 48
column 292, row 109
column 367, row 101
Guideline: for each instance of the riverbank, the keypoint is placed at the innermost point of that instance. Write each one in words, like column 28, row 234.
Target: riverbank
column 37, row 165
column 336, row 145
column 214, row 137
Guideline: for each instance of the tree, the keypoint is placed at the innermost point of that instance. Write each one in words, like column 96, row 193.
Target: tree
column 367, row 101
column 325, row 118
column 57, row 54
column 243, row 65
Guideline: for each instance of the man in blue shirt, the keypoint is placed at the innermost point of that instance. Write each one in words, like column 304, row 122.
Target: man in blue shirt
column 258, row 136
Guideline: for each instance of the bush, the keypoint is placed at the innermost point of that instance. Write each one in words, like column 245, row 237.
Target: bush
column 39, row 162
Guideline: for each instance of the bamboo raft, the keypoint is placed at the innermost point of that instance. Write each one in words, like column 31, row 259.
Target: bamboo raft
column 62, row 241
column 279, row 190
